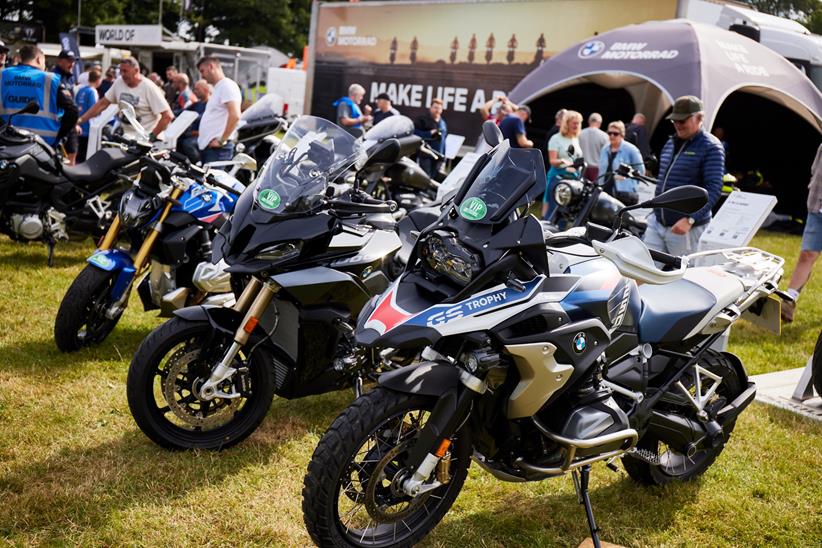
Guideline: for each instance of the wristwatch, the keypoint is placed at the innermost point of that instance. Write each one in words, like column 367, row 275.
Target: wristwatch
column 691, row 221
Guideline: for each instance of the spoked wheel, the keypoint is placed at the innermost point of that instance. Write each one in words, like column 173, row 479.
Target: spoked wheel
column 82, row 320
column 352, row 494
column 165, row 376
column 675, row 465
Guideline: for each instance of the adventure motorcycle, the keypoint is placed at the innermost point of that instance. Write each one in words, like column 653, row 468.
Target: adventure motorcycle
column 399, row 178
column 534, row 363
column 303, row 261
column 42, row 199
column 169, row 217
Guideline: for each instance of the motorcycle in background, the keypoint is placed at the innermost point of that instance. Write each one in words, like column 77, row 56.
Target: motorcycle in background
column 169, row 217
column 42, row 199
column 304, row 255
column 539, row 357
column 259, row 126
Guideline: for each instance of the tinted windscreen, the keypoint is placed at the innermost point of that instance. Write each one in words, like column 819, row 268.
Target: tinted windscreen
column 313, row 153
column 511, row 178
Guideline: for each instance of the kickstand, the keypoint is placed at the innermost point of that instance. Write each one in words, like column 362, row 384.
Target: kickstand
column 581, row 486
column 50, row 244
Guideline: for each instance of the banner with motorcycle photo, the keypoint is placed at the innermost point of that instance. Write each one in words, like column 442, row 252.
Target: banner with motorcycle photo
column 414, row 52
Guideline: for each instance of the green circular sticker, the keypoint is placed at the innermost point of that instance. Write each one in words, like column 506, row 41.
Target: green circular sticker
column 473, row 209
column 269, row 199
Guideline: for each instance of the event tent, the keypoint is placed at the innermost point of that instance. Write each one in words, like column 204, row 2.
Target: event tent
column 657, row 61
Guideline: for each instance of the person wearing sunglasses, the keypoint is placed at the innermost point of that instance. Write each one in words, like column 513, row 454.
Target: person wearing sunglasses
column 619, row 151
column 691, row 156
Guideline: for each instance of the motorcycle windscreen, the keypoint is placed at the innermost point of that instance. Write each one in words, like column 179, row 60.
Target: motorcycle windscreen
column 312, row 154
column 392, row 127
column 510, row 179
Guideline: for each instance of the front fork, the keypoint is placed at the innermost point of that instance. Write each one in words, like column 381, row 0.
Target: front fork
column 449, row 414
column 253, row 302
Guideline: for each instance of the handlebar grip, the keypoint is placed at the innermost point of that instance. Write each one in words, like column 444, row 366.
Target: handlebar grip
column 664, row 258
column 214, row 182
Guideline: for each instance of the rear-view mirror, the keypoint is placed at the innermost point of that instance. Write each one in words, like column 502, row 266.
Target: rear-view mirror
column 491, row 133
column 685, row 199
column 32, row 107
column 385, row 152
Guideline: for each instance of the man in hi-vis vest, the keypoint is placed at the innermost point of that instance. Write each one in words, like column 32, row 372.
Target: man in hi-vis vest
column 29, row 81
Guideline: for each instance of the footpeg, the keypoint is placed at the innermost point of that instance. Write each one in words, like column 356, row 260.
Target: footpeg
column 645, row 455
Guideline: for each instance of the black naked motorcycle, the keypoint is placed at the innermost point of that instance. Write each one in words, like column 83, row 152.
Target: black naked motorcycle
column 539, row 357
column 399, row 178
column 303, row 259
column 580, row 200
column 41, row 199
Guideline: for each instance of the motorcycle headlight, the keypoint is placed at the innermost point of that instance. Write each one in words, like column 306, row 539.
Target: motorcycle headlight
column 137, row 208
column 566, row 193
column 280, row 252
column 445, row 255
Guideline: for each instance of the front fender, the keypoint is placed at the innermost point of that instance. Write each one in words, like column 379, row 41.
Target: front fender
column 227, row 320
column 115, row 260
column 426, row 378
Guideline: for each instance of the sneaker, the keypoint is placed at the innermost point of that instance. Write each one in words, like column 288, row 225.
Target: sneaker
column 788, row 309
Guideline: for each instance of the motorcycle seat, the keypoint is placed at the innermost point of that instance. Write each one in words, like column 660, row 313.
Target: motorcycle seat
column 98, row 165
column 680, row 309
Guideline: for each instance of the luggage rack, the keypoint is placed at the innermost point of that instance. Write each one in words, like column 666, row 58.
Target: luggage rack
column 759, row 271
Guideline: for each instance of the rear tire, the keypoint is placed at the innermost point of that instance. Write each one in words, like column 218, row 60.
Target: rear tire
column 334, row 465
column 175, row 358
column 675, row 466
column 81, row 319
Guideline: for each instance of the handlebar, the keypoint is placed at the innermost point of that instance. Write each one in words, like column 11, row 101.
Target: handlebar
column 347, row 207
column 666, row 259
column 626, row 170
column 214, row 182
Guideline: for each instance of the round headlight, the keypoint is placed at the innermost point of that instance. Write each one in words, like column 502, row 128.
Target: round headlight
column 563, row 194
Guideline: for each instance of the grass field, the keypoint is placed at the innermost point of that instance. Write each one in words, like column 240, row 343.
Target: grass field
column 75, row 470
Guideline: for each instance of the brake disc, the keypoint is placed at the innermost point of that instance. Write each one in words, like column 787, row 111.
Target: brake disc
column 387, row 503
column 180, row 387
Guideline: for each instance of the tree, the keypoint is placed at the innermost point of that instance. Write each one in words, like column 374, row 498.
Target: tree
column 807, row 12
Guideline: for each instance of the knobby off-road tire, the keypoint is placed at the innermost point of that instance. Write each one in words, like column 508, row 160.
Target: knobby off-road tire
column 81, row 319
column 335, row 456
column 649, row 474
column 149, row 403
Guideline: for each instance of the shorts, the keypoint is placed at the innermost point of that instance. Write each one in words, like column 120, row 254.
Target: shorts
column 812, row 235
column 70, row 142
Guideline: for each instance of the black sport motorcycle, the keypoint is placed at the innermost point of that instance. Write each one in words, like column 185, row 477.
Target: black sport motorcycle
column 303, row 261
column 41, row 199
column 540, row 356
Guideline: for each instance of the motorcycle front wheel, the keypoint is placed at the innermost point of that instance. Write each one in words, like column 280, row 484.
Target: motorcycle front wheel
column 351, row 494
column 81, row 320
column 164, row 379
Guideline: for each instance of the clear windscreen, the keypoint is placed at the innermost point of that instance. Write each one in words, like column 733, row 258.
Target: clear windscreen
column 312, row 154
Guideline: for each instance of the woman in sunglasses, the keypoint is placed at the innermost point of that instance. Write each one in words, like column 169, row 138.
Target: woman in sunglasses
column 617, row 152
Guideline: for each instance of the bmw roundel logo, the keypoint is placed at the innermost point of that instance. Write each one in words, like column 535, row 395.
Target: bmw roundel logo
column 591, row 49
column 331, row 36
column 580, row 344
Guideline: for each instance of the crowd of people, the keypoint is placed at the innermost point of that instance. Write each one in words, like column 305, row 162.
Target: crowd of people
column 67, row 106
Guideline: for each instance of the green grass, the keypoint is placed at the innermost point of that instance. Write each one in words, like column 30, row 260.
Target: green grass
column 74, row 468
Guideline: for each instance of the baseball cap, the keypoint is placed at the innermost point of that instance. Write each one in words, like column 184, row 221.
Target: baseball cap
column 66, row 54
column 527, row 110
column 383, row 96
column 685, row 107
column 3, row 47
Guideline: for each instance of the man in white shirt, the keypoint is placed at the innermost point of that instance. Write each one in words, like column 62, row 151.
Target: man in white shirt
column 150, row 106
column 221, row 114
column 592, row 140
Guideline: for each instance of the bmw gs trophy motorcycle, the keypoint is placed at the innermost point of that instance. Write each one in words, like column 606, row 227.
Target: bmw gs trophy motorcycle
column 540, row 356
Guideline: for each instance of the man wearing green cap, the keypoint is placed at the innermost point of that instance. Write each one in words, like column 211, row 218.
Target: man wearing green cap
column 690, row 157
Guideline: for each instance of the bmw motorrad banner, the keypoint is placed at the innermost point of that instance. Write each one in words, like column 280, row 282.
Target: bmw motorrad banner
column 464, row 53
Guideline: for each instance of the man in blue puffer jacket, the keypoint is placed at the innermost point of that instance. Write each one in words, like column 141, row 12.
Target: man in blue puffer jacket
column 691, row 157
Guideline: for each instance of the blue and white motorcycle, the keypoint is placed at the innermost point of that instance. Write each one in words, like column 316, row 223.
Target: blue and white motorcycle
column 169, row 217
column 540, row 356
